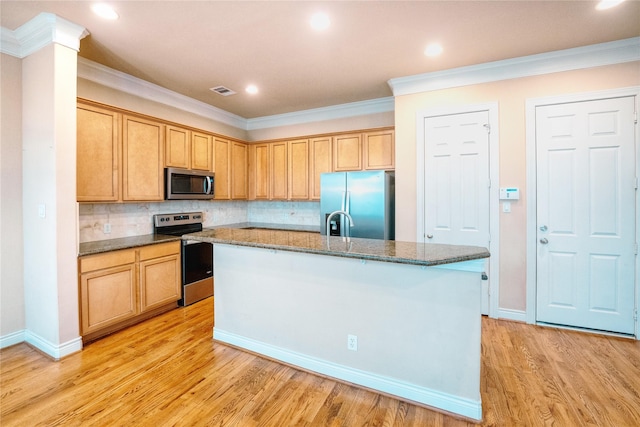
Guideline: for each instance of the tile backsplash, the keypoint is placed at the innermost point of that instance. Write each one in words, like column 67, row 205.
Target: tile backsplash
column 136, row 219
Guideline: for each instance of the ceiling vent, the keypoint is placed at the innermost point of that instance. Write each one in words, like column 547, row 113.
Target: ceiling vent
column 221, row 90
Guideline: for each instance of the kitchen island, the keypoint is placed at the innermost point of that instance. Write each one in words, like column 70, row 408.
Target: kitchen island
column 398, row 317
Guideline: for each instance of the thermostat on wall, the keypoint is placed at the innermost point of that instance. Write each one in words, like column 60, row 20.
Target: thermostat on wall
column 509, row 193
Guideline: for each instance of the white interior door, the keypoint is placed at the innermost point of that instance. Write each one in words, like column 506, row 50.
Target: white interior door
column 456, row 201
column 586, row 214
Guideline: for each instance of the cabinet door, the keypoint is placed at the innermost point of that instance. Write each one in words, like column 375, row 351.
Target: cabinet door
column 320, row 162
column 143, row 159
column 201, row 152
column 159, row 281
column 107, row 296
column 299, row 169
column 97, row 155
column 238, row 170
column 347, row 152
column 379, row 150
column 177, row 153
column 279, row 181
column 222, row 161
column 259, row 171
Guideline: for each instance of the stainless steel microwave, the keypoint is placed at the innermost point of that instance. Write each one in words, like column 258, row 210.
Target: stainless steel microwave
column 185, row 184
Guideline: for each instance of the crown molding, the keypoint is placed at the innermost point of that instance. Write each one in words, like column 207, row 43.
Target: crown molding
column 123, row 82
column 597, row 55
column 44, row 29
column 361, row 108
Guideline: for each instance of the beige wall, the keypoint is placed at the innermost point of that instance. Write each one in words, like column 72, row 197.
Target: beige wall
column 12, row 317
column 511, row 96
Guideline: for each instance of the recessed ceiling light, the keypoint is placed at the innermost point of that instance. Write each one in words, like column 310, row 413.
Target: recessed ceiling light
column 252, row 89
column 608, row 4
column 434, row 49
column 320, row 21
column 104, row 11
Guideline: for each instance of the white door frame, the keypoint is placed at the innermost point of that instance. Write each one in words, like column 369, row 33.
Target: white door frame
column 494, row 178
column 531, row 192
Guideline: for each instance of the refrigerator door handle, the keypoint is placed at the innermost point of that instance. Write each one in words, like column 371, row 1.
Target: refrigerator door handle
column 348, row 202
column 344, row 198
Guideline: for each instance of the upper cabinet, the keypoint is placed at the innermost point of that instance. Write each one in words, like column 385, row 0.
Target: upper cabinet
column 298, row 170
column 320, row 161
column 379, row 150
column 347, row 152
column 142, row 159
column 222, row 181
column 177, row 153
column 201, row 151
column 188, row 149
column 98, row 154
column 279, row 170
column 239, row 158
column 259, row 173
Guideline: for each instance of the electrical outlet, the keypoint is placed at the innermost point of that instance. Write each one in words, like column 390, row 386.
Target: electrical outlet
column 107, row 228
column 352, row 342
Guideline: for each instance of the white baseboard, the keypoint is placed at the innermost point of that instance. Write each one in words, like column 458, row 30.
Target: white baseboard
column 508, row 314
column 447, row 402
column 55, row 351
column 12, row 339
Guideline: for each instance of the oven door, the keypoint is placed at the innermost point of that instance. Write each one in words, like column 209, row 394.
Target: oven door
column 197, row 261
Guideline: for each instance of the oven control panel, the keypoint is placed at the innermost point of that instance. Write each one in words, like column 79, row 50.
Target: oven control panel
column 167, row 220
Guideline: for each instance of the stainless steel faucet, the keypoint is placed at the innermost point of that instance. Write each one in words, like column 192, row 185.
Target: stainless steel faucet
column 332, row 214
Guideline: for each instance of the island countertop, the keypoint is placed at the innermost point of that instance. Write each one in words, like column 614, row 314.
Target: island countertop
column 423, row 254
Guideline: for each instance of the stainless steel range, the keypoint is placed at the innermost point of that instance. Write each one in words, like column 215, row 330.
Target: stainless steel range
column 197, row 257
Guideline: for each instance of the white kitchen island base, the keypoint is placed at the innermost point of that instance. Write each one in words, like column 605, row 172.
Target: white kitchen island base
column 418, row 328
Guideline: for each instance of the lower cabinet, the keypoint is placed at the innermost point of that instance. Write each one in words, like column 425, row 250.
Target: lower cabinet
column 120, row 288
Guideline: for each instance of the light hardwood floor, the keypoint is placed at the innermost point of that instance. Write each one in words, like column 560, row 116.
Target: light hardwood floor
column 169, row 372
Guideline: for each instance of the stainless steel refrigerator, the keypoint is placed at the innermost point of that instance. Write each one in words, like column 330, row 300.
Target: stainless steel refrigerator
column 368, row 197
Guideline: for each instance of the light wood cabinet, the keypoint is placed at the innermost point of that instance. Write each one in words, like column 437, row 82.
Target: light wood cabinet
column 107, row 289
column 222, row 179
column 279, row 170
column 321, row 158
column 259, row 171
column 123, row 287
column 298, row 170
column 177, row 153
column 347, row 152
column 98, row 154
column 201, row 151
column 142, row 159
column 379, row 150
column 239, row 170
column 159, row 275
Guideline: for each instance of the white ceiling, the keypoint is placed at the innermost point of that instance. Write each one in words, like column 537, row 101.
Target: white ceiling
column 191, row 46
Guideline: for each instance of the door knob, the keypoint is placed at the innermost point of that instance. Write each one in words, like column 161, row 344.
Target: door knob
column 429, row 236
column 544, row 241
column 543, row 228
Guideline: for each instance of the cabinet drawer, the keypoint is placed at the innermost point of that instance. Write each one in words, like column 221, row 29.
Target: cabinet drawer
column 107, row 260
column 161, row 249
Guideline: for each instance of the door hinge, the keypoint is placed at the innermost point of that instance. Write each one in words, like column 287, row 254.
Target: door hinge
column 635, row 314
column 487, row 126
column 635, row 117
column 636, row 183
column 635, row 249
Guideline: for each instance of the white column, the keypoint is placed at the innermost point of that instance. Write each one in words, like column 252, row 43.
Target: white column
column 49, row 47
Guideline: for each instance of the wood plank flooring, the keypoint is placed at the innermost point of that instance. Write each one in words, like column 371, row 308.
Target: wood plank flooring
column 169, row 372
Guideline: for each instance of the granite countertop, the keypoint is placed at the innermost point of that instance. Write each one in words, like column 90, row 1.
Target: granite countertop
column 100, row 246
column 423, row 254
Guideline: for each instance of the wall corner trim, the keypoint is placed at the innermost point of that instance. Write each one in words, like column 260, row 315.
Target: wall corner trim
column 44, row 29
column 616, row 52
